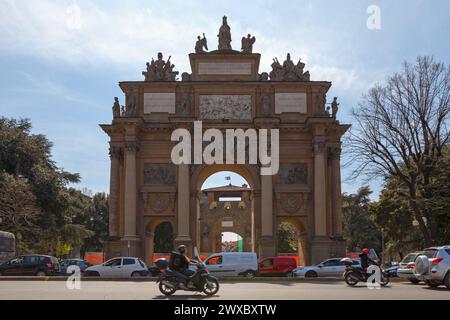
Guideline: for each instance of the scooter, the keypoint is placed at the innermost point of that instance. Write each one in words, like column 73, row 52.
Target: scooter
column 354, row 274
column 200, row 281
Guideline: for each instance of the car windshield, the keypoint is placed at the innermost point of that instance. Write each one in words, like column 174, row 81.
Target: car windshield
column 409, row 258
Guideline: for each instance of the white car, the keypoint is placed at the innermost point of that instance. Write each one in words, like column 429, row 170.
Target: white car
column 120, row 267
column 328, row 268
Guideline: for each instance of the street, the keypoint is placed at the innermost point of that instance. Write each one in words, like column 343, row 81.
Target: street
column 109, row 290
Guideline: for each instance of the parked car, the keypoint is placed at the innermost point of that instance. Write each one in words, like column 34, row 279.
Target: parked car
column 120, row 267
column 406, row 267
column 277, row 266
column 328, row 268
column 433, row 266
column 30, row 265
column 232, row 264
column 82, row 264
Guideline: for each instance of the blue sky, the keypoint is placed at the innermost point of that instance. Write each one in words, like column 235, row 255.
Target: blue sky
column 60, row 61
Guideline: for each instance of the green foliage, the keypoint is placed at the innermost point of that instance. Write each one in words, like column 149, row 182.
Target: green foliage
column 287, row 238
column 35, row 202
column 163, row 238
column 358, row 229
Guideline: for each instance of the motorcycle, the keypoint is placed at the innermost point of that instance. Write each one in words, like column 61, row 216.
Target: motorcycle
column 200, row 281
column 354, row 274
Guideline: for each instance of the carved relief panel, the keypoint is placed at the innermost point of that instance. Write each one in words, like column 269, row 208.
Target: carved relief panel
column 292, row 203
column 159, row 174
column 293, row 173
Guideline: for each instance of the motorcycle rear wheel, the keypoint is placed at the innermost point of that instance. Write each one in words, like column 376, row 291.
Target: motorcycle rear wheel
column 165, row 290
column 350, row 279
column 211, row 287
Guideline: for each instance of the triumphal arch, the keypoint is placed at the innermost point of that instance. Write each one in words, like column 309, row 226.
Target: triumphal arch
column 224, row 90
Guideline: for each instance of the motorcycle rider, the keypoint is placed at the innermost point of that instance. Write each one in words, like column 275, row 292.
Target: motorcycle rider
column 179, row 264
column 366, row 261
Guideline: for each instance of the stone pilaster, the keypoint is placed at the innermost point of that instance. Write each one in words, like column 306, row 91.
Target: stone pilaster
column 267, row 241
column 320, row 194
column 183, row 235
column 336, row 187
column 114, row 191
column 130, row 191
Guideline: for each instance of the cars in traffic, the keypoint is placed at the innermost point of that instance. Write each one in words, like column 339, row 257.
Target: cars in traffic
column 119, row 267
column 433, row 266
column 328, row 268
column 276, row 266
column 82, row 264
column 30, row 265
column 232, row 264
column 406, row 267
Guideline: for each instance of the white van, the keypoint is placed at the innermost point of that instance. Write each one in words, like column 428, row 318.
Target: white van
column 232, row 264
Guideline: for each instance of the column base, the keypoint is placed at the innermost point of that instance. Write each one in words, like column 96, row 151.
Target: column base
column 266, row 246
column 324, row 247
column 112, row 247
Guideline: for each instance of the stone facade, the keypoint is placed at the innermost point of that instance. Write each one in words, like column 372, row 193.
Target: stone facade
column 146, row 188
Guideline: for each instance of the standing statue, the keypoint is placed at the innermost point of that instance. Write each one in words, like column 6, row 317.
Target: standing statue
column 334, row 108
column 160, row 70
column 247, row 43
column 160, row 64
column 200, row 44
column 224, row 35
column 130, row 108
column 116, row 108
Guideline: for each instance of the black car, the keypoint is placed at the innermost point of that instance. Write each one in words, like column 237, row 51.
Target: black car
column 82, row 264
column 30, row 265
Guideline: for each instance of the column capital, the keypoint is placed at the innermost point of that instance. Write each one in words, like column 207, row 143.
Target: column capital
column 115, row 152
column 131, row 147
column 319, row 146
column 334, row 151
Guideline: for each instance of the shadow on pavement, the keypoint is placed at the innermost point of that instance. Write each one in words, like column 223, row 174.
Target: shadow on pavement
column 184, row 297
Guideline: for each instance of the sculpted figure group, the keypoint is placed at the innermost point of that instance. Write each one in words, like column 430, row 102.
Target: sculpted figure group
column 288, row 71
column 160, row 70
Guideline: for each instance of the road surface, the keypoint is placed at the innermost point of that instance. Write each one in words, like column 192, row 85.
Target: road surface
column 100, row 290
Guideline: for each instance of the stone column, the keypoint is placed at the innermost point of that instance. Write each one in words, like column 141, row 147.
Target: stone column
column 183, row 236
column 114, row 191
column 267, row 240
column 149, row 250
column 320, row 196
column 266, row 206
column 337, row 200
column 130, row 191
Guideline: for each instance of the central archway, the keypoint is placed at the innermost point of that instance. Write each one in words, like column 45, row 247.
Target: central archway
column 215, row 216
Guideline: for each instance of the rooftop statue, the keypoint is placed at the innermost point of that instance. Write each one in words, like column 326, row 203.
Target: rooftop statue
column 200, row 44
column 247, row 43
column 288, row 71
column 224, row 35
column 160, row 70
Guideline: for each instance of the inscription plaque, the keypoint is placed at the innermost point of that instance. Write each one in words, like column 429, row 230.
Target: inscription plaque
column 159, row 102
column 290, row 102
column 225, row 68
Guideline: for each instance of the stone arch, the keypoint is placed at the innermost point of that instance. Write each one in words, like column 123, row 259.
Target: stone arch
column 151, row 232
column 199, row 174
column 301, row 237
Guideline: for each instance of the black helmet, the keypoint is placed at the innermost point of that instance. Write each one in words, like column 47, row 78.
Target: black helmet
column 181, row 248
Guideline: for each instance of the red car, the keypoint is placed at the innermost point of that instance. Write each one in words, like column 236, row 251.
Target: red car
column 277, row 266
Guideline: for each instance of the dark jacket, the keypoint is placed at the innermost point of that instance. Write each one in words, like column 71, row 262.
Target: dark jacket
column 178, row 262
column 365, row 260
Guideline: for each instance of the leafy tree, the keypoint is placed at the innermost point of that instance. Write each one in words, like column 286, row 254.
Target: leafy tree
column 164, row 237
column 393, row 211
column 287, row 238
column 401, row 130
column 358, row 229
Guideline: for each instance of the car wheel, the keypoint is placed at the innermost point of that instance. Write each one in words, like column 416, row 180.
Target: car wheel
column 136, row 274
column 432, row 284
column 415, row 281
column 249, row 274
column 447, row 280
column 91, row 274
column 41, row 273
column 311, row 274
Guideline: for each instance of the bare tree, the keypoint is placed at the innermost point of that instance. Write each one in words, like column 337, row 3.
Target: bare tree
column 401, row 131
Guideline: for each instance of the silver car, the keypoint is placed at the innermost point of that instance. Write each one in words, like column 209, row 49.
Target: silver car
column 406, row 267
column 433, row 266
column 328, row 268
